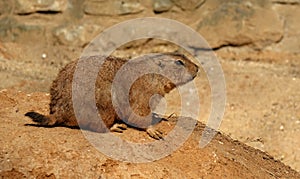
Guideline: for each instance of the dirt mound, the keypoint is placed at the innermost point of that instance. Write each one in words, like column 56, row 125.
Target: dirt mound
column 28, row 151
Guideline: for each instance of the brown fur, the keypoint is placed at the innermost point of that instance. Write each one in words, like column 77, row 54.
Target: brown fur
column 61, row 107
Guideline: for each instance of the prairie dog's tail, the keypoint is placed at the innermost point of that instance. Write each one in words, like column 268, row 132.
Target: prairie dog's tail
column 39, row 118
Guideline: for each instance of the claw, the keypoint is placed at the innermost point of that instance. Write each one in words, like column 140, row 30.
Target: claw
column 169, row 117
column 154, row 133
column 122, row 126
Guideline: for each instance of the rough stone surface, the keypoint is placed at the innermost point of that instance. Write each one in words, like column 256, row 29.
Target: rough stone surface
column 291, row 40
column 221, row 23
column 16, row 31
column 241, row 23
column 114, row 7
column 32, row 6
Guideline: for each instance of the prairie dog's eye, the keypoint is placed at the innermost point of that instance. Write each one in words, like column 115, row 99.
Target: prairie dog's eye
column 179, row 62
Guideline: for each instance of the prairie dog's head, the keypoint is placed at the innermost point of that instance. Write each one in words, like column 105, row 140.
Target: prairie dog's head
column 177, row 66
column 157, row 72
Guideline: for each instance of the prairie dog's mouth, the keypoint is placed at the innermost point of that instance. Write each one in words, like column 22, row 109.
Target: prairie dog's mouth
column 194, row 76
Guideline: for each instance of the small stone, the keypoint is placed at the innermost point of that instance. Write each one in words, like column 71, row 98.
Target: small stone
column 281, row 128
column 44, row 56
column 75, row 34
column 248, row 4
column 162, row 5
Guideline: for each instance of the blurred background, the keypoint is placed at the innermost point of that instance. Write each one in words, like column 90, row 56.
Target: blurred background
column 256, row 41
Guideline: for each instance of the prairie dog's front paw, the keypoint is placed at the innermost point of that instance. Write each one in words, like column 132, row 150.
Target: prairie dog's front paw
column 154, row 133
column 118, row 127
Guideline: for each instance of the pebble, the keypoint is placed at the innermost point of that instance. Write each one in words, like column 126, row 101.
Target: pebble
column 162, row 5
column 281, row 128
column 44, row 56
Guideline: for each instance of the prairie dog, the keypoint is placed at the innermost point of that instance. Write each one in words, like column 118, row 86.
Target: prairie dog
column 61, row 108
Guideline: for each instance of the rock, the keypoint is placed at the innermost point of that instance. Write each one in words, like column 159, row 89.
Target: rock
column 75, row 9
column 240, row 23
column 113, row 7
column 286, row 1
column 162, row 5
column 32, row 6
column 188, row 5
column 291, row 40
column 12, row 30
column 78, row 35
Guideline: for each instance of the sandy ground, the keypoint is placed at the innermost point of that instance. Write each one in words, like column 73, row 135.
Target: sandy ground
column 36, row 152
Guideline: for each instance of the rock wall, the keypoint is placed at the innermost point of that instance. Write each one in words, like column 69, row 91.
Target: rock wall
column 255, row 24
